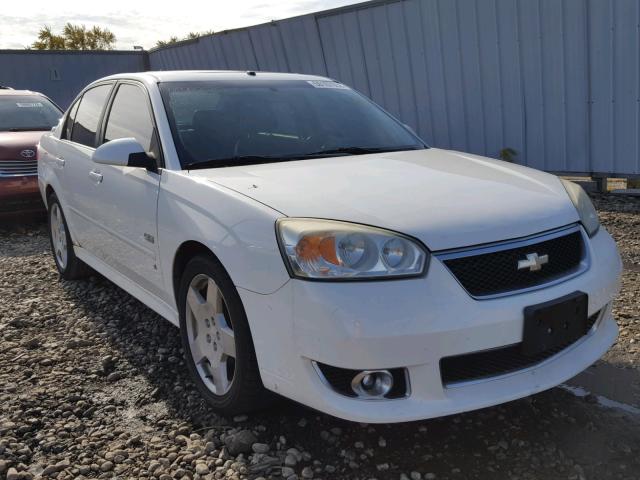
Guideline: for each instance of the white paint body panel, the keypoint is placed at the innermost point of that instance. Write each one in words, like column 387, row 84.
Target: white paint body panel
column 240, row 231
column 445, row 199
column 414, row 323
column 122, row 210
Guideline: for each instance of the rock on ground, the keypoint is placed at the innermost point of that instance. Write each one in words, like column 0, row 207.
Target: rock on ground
column 93, row 381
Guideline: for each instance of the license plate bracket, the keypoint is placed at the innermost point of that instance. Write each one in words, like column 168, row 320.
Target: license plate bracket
column 554, row 324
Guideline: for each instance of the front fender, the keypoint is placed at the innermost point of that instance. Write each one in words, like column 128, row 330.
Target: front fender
column 238, row 230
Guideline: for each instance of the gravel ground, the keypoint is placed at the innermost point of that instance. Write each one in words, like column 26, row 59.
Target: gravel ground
column 92, row 385
column 621, row 216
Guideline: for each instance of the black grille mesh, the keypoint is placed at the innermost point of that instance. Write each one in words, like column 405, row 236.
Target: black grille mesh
column 498, row 361
column 497, row 272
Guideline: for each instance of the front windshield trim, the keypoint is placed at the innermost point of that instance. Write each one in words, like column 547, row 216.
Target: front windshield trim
column 380, row 119
column 256, row 159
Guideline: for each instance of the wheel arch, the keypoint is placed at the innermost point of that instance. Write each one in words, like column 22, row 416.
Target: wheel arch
column 185, row 252
column 252, row 393
column 48, row 191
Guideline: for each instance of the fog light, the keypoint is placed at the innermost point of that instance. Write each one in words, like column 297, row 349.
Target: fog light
column 372, row 383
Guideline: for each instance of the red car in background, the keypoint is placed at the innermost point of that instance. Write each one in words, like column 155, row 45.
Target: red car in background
column 24, row 117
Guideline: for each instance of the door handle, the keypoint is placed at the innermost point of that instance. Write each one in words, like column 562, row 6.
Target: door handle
column 96, row 177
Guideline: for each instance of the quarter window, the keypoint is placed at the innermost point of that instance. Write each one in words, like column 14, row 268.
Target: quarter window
column 87, row 119
column 130, row 117
column 70, row 118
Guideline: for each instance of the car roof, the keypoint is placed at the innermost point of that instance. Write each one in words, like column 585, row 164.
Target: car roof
column 196, row 75
column 7, row 91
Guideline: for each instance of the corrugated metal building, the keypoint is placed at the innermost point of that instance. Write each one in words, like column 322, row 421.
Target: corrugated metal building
column 558, row 81
column 62, row 74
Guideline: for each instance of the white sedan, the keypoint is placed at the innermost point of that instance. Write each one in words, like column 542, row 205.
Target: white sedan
column 309, row 244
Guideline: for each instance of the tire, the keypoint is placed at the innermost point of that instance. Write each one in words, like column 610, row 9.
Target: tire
column 69, row 266
column 216, row 339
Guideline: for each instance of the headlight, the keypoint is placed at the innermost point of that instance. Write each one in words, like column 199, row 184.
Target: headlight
column 332, row 250
column 586, row 210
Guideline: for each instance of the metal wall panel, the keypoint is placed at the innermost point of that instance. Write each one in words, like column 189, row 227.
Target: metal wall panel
column 301, row 41
column 558, row 81
column 61, row 75
column 269, row 49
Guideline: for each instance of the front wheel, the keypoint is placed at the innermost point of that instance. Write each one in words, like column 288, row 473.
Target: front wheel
column 69, row 266
column 216, row 339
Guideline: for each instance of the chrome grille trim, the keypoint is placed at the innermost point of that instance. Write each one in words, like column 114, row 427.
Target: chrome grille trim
column 512, row 244
column 18, row 168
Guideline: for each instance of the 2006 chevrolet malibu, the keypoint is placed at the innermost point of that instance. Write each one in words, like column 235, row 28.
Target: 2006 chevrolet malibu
column 307, row 243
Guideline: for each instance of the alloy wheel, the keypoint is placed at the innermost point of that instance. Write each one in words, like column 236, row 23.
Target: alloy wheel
column 210, row 334
column 59, row 236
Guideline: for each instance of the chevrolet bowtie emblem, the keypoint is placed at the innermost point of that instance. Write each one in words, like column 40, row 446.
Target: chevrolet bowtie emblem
column 533, row 262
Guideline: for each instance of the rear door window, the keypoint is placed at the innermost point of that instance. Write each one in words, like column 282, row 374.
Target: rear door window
column 68, row 127
column 87, row 118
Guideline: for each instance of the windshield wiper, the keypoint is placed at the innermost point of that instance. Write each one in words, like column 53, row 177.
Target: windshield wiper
column 259, row 159
column 234, row 161
column 29, row 129
column 360, row 150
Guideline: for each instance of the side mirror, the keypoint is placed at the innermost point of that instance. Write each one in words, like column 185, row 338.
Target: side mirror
column 124, row 152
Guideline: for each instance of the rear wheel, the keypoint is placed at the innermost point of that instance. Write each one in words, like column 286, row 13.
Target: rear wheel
column 69, row 266
column 217, row 341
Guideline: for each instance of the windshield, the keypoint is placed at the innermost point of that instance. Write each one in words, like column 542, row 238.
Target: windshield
column 27, row 112
column 226, row 123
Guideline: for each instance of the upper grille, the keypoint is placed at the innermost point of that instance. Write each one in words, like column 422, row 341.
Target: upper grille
column 497, row 361
column 496, row 272
column 9, row 168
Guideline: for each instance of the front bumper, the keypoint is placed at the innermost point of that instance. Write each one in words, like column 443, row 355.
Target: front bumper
column 414, row 323
column 20, row 194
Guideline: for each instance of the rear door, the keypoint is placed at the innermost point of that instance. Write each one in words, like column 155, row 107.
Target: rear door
column 76, row 145
column 56, row 149
column 123, row 200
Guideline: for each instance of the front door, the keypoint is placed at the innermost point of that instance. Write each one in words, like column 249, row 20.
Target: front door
column 124, row 199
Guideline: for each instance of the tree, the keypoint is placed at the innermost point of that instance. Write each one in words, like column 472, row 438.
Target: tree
column 164, row 43
column 190, row 36
column 75, row 37
column 47, row 40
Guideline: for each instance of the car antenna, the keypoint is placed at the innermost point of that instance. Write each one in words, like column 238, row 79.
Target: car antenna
column 251, row 73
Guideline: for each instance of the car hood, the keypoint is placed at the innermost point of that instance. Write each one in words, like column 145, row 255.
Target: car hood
column 446, row 199
column 12, row 143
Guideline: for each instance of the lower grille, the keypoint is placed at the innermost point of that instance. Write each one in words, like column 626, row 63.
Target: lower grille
column 497, row 361
column 13, row 168
column 495, row 270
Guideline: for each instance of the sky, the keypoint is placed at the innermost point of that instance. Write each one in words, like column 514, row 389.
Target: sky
column 144, row 22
